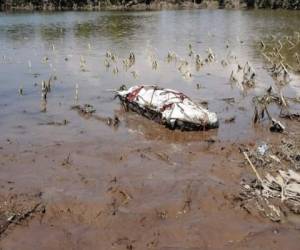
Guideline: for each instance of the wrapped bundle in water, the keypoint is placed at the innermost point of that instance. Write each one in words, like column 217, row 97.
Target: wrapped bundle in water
column 168, row 107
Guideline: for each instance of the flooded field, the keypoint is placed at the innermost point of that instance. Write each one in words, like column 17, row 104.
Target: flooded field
column 71, row 181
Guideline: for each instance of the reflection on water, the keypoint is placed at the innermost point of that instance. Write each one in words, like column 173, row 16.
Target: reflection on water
column 19, row 32
column 34, row 47
column 50, row 33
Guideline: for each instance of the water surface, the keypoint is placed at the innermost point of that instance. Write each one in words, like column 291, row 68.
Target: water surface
column 36, row 46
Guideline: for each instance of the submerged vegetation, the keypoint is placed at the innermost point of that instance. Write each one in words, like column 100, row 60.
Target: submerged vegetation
column 143, row 4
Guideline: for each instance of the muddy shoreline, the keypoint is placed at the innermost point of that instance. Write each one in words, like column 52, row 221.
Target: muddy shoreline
column 145, row 196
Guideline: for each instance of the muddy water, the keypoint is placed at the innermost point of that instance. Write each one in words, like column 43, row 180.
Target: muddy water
column 138, row 185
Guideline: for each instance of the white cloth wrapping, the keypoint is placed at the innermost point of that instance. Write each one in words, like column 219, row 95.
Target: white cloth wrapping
column 172, row 104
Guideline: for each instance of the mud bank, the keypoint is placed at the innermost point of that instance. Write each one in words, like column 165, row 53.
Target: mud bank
column 157, row 194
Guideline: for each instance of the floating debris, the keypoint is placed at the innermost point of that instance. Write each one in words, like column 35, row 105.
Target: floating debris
column 211, row 56
column 45, row 59
column 48, row 84
column 44, row 90
column 229, row 100
column 190, row 50
column 279, row 52
column 290, row 116
column 199, row 62
column 113, row 122
column 134, row 74
column 115, row 70
column 230, row 119
column 132, row 58
column 261, row 108
column 224, row 63
column 21, row 91
column 154, row 65
column 108, row 54
column 106, row 63
column 233, row 78
column 86, row 109
column 53, row 123
column 249, row 75
column 171, row 56
column 76, row 92
column 82, row 63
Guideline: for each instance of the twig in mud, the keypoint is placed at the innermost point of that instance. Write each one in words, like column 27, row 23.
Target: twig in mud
column 163, row 156
column 67, row 161
column 253, row 167
column 19, row 217
column 263, row 46
column 155, row 241
column 125, row 241
column 163, row 214
column 114, row 180
column 118, row 198
column 126, row 196
column 283, row 101
column 187, row 201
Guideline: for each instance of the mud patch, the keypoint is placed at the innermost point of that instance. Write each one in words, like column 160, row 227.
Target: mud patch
column 18, row 209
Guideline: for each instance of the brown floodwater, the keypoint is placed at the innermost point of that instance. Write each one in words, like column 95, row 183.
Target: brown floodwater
column 138, row 185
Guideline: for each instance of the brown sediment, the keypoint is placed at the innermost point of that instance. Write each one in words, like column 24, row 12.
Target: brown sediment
column 164, row 194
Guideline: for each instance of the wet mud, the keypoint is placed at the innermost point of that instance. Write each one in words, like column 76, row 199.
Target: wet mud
column 154, row 194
